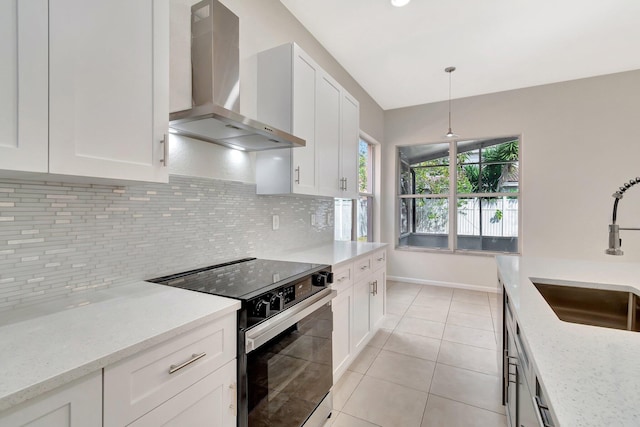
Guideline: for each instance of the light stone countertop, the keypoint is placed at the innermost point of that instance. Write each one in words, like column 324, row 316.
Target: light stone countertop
column 332, row 253
column 49, row 345
column 591, row 375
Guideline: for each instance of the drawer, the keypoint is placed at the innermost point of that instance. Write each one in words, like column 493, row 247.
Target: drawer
column 138, row 384
column 342, row 277
column 209, row 402
column 379, row 260
column 361, row 268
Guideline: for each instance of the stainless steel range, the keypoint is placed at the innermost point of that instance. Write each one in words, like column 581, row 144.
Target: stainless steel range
column 285, row 325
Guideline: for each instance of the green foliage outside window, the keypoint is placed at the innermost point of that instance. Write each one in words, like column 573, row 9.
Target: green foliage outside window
column 499, row 167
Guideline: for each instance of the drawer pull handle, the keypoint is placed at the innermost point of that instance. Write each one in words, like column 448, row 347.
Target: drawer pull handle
column 364, row 267
column 342, row 278
column 194, row 357
column 380, row 259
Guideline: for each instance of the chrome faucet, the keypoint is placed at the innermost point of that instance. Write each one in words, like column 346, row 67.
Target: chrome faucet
column 614, row 229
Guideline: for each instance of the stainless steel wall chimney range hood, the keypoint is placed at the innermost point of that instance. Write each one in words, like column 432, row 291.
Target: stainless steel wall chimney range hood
column 215, row 116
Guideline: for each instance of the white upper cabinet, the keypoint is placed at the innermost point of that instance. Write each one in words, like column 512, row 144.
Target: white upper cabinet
column 85, row 88
column 109, row 88
column 349, row 142
column 286, row 100
column 328, row 136
column 23, row 85
column 297, row 96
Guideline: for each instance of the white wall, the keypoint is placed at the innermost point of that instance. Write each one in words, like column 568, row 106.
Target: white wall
column 263, row 24
column 580, row 142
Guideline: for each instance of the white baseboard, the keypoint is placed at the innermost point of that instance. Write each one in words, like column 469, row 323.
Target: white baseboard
column 445, row 284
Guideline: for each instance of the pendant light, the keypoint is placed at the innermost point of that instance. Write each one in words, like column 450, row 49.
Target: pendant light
column 399, row 3
column 450, row 70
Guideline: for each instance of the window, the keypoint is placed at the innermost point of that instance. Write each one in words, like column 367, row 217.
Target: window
column 354, row 218
column 460, row 195
column 364, row 205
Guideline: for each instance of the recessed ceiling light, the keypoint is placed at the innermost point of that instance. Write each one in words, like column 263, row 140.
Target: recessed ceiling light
column 400, row 3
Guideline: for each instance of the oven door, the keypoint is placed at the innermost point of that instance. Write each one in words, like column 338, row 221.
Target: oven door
column 289, row 367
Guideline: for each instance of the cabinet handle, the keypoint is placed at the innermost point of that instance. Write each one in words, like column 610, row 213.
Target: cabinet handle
column 373, row 289
column 342, row 278
column 234, row 399
column 364, row 267
column 194, row 357
column 380, row 259
column 345, row 184
column 165, row 148
column 544, row 409
column 297, row 180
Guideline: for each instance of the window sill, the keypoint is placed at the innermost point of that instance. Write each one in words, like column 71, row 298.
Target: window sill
column 453, row 252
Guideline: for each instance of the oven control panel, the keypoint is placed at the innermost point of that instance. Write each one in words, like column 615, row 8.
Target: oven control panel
column 272, row 302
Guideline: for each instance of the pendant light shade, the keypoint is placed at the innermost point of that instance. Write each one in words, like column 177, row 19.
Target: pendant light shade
column 400, row 3
column 450, row 133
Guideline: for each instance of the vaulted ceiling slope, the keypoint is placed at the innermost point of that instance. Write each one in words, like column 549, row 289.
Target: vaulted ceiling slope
column 398, row 55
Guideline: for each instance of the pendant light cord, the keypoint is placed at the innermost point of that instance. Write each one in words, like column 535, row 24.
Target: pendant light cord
column 450, row 70
column 450, row 100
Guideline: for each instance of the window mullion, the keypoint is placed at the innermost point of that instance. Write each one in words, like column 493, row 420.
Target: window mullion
column 453, row 188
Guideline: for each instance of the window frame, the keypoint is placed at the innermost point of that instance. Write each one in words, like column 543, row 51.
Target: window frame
column 453, row 196
column 371, row 185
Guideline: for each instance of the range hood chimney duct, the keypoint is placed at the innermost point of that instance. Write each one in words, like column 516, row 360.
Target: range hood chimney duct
column 215, row 116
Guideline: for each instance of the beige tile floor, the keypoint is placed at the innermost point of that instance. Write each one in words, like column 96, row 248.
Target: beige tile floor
column 434, row 364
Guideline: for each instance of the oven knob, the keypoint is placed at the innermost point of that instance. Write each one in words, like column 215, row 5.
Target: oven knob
column 277, row 302
column 322, row 278
column 261, row 308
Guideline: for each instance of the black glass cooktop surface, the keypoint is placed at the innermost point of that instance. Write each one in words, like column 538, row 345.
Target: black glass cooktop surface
column 241, row 279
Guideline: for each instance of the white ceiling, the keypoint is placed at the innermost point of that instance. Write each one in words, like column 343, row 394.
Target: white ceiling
column 398, row 55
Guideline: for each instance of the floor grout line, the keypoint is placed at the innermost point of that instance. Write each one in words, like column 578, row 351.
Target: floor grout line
column 391, row 331
column 468, row 404
column 497, row 375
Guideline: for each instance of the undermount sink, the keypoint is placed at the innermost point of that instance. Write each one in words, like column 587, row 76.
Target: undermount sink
column 589, row 306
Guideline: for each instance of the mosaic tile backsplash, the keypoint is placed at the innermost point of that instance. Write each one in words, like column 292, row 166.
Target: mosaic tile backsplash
column 57, row 239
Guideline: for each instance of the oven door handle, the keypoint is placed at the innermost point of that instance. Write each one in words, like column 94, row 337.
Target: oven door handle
column 255, row 337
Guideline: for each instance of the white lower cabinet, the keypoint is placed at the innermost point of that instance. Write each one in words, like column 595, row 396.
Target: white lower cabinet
column 78, row 404
column 358, row 308
column 361, row 310
column 342, row 319
column 209, row 402
column 142, row 383
column 189, row 380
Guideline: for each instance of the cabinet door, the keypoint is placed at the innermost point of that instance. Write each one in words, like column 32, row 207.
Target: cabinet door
column 377, row 297
column 361, row 319
column 78, row 404
column 342, row 323
column 350, row 137
column 109, row 88
column 328, row 136
column 23, row 86
column 210, row 402
column 286, row 100
column 304, row 122
column 526, row 408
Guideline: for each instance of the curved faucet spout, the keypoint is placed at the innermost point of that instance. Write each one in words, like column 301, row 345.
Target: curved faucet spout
column 614, row 230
